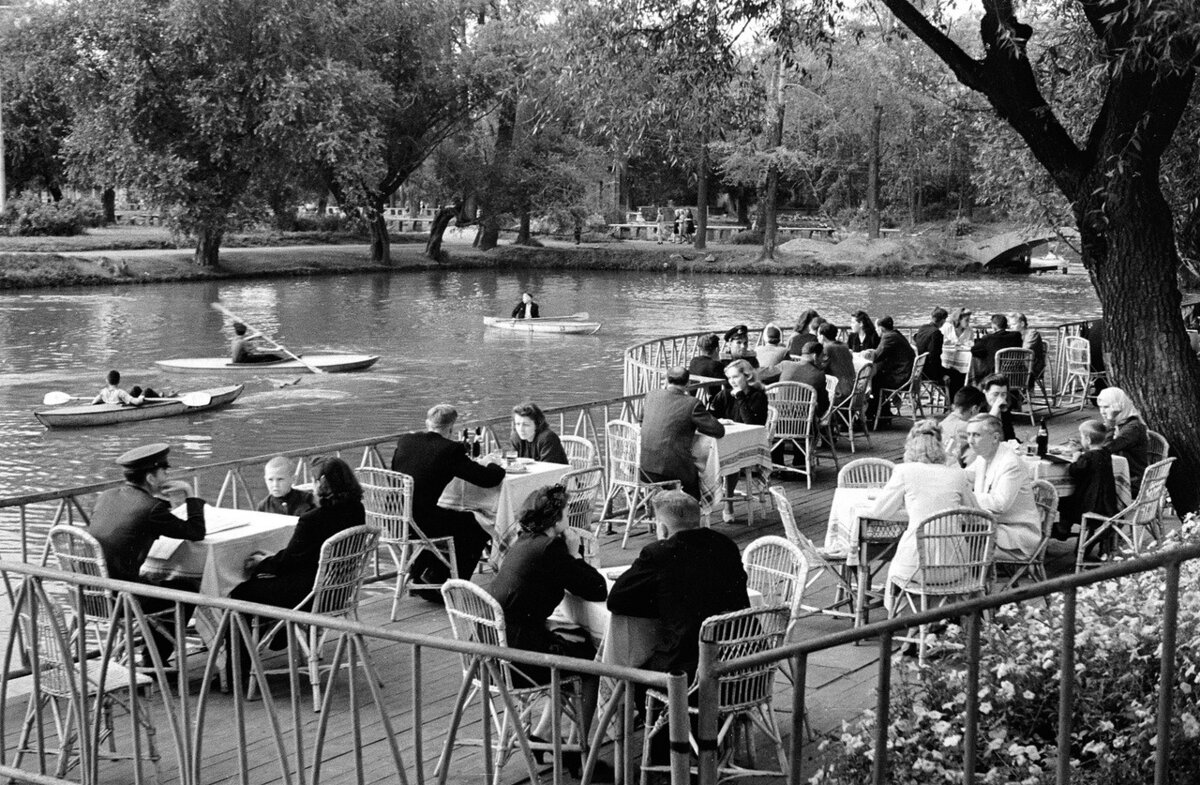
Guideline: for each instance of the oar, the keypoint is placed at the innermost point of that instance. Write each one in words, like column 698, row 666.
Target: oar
column 267, row 338
column 188, row 399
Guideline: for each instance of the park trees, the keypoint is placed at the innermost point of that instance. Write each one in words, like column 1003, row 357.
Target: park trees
column 1109, row 168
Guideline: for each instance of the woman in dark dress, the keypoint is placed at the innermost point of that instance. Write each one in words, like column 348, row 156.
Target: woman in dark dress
column 863, row 334
column 539, row 567
column 285, row 578
column 532, row 437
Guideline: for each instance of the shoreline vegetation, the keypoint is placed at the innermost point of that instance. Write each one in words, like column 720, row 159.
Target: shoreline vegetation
column 138, row 255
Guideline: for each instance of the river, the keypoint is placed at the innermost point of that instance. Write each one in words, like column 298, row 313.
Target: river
column 427, row 327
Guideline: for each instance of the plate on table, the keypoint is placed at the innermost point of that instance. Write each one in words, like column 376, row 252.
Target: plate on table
column 516, row 468
column 525, row 461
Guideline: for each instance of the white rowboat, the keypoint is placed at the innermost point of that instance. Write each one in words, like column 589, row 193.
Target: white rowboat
column 329, row 363
column 574, row 324
column 109, row 414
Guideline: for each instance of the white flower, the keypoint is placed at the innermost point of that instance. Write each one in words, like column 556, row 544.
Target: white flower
column 1191, row 728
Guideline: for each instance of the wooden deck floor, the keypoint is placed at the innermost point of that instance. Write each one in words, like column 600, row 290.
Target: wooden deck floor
column 840, row 681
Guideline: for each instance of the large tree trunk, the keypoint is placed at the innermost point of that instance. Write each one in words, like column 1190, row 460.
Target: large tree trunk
column 873, row 172
column 489, row 232
column 702, row 196
column 108, row 201
column 381, row 243
column 433, row 248
column 523, row 233
column 775, row 114
column 208, row 247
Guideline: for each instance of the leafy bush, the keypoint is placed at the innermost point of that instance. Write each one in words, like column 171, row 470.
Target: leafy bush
column 27, row 215
column 753, row 237
column 319, row 223
column 1113, row 728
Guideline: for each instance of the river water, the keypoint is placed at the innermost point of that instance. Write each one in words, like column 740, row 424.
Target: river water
column 427, row 327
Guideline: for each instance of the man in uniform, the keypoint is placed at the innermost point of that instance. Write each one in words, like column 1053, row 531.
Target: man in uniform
column 129, row 518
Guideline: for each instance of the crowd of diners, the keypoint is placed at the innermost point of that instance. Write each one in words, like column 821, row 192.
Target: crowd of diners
column 967, row 459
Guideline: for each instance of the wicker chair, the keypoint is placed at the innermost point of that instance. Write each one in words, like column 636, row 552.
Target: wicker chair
column 851, row 411
column 625, row 480
column 387, row 498
column 1079, row 374
column 581, row 453
column 818, row 563
column 743, row 695
column 335, row 593
column 585, row 489
column 1017, row 365
column 954, row 554
column 909, row 391
column 1157, row 448
column 50, row 647
column 796, row 424
column 777, row 569
column 1046, row 498
column 1131, row 526
column 475, row 616
column 866, row 473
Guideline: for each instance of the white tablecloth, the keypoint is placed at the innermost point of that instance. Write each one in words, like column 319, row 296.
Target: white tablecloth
column 742, row 447
column 1055, row 472
column 842, row 528
column 502, row 503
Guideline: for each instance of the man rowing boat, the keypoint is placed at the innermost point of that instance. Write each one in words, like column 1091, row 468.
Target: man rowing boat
column 244, row 349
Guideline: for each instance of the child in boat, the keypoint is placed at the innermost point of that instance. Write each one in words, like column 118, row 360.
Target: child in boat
column 282, row 498
column 113, row 394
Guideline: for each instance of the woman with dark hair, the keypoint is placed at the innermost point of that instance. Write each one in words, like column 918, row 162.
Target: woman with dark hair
column 285, row 578
column 538, row 568
column 802, row 335
column 532, row 437
column 863, row 334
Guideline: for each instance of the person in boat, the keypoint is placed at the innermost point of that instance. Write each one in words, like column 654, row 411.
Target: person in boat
column 532, row 437
column 432, row 458
column 129, row 518
column 112, row 393
column 245, row 351
column 526, row 309
column 282, row 498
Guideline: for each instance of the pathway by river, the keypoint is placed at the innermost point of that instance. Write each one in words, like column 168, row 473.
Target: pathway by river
column 427, row 326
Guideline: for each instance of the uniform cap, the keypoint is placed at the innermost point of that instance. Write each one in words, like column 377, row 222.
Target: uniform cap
column 149, row 456
column 734, row 332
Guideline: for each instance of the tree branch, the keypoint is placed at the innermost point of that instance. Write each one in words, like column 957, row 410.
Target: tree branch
column 968, row 70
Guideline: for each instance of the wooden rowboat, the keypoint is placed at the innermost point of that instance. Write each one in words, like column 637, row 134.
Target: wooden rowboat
column 110, row 414
column 329, row 363
column 574, row 324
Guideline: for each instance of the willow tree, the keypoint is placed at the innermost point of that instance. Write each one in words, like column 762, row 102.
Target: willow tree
column 1147, row 53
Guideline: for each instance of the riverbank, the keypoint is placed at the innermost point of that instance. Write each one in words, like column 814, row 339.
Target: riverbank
column 147, row 255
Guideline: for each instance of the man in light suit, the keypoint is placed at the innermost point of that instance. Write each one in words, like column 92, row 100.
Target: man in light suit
column 669, row 425
column 1004, row 488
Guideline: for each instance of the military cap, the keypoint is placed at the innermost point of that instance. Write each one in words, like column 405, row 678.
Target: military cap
column 734, row 332
column 149, row 456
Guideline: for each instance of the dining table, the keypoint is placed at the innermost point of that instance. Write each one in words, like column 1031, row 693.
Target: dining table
column 866, row 541
column 743, row 450
column 501, row 505
column 1054, row 469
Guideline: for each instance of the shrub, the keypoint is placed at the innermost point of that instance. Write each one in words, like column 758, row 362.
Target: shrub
column 754, row 237
column 319, row 223
column 1113, row 737
column 27, row 215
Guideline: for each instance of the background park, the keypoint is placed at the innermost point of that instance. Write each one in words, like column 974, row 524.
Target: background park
column 516, row 124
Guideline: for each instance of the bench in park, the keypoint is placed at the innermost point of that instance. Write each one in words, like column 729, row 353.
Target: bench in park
column 716, row 233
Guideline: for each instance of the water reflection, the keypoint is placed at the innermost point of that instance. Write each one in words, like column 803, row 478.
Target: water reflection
column 426, row 325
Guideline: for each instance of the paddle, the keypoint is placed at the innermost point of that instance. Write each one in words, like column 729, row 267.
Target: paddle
column 267, row 338
column 188, row 399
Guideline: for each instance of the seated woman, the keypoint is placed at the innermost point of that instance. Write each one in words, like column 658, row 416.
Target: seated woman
column 539, row 567
column 744, row 401
column 532, row 437
column 923, row 485
column 285, row 578
column 1127, row 434
column 863, row 334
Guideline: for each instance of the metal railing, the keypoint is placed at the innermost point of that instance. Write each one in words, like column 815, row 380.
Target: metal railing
column 796, row 656
column 211, row 736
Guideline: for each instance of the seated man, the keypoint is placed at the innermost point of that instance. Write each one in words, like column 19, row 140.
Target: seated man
column 967, row 403
column 282, row 498
column 839, row 361
column 432, row 458
column 693, row 574
column 1004, row 488
column 737, row 345
column 773, row 351
column 995, row 390
column 129, row 518
column 805, row 370
column 985, row 348
column 526, row 309
column 670, row 421
column 243, row 349
column 929, row 340
column 708, row 362
column 893, row 367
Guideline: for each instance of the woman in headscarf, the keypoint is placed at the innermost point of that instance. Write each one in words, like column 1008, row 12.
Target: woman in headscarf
column 1127, row 434
column 532, row 437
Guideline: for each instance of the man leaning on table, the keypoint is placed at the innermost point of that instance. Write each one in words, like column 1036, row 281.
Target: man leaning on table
column 129, row 518
column 694, row 573
column 432, row 458
column 669, row 425
column 1003, row 487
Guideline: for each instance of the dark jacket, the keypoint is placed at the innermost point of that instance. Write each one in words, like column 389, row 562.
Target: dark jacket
column 127, row 520
column 704, row 365
column 537, row 570
column 300, row 557
column 749, row 408
column 929, row 339
column 1131, row 440
column 840, row 364
column 433, row 461
column 1095, row 487
column 545, row 446
column 519, row 311
column 669, row 425
column 985, row 348
column 893, row 360
column 871, row 341
column 294, row 502
column 809, row 374
column 681, row 581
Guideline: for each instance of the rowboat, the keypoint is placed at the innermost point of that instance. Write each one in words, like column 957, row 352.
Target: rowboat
column 329, row 363
column 109, row 414
column 575, row 323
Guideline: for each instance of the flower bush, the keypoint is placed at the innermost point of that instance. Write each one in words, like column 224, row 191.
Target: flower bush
column 1114, row 732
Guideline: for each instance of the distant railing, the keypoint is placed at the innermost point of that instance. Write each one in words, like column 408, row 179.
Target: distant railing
column 369, row 728
column 973, row 611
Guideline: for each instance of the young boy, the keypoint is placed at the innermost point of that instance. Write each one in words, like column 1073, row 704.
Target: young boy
column 967, row 403
column 283, row 499
column 1095, row 488
column 113, row 394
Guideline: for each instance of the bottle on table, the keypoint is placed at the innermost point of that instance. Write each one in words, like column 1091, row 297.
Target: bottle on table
column 1043, row 439
column 477, row 443
column 466, row 440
